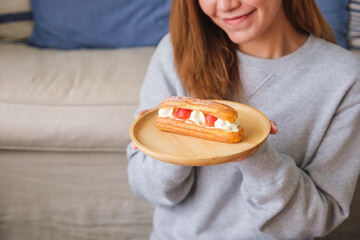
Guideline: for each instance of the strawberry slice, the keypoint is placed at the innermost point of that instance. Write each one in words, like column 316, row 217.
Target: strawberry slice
column 210, row 120
column 182, row 113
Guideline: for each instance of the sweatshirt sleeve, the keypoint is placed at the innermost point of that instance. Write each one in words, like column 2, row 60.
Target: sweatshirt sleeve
column 158, row 182
column 162, row 184
column 297, row 203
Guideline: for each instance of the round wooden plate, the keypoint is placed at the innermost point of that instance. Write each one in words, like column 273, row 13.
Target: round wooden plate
column 191, row 151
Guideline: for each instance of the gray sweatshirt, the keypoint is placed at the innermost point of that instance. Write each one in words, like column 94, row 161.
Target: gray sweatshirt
column 298, row 185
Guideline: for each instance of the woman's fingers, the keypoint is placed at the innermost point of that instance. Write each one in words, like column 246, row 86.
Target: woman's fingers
column 243, row 158
column 142, row 113
column 133, row 145
column 274, row 129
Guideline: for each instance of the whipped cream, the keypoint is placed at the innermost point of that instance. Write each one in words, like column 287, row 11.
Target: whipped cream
column 166, row 112
column 197, row 117
column 226, row 125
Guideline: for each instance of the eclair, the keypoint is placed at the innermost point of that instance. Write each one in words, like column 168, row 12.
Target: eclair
column 199, row 118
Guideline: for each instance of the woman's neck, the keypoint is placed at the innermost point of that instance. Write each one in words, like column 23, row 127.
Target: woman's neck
column 280, row 39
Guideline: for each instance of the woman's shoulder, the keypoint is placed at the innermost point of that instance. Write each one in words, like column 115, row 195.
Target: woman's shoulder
column 335, row 55
column 165, row 41
column 163, row 56
column 165, row 45
column 343, row 70
column 163, row 53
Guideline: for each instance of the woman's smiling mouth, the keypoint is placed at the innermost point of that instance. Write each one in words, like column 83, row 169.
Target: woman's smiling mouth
column 238, row 19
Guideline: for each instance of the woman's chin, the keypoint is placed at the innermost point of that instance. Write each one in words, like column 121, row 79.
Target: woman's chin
column 241, row 38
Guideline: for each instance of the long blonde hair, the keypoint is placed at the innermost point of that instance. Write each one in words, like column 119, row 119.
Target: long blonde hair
column 206, row 59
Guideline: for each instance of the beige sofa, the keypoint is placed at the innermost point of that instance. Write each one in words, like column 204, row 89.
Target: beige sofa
column 64, row 122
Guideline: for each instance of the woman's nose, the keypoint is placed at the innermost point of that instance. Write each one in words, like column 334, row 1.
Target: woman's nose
column 227, row 5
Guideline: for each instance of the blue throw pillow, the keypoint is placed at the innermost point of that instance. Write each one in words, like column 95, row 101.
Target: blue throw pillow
column 71, row 24
column 336, row 14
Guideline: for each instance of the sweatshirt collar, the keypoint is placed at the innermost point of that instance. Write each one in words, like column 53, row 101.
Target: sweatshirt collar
column 256, row 72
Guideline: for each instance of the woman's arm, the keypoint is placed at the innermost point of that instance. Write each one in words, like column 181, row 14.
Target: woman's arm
column 294, row 203
column 158, row 182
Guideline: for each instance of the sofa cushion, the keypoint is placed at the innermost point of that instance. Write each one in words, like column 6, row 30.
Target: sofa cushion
column 72, row 100
column 70, row 24
column 15, row 20
column 336, row 14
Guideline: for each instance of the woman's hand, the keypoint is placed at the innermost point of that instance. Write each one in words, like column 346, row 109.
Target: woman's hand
column 273, row 130
column 138, row 115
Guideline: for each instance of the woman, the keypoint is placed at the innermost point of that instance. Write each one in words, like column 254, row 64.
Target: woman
column 280, row 57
